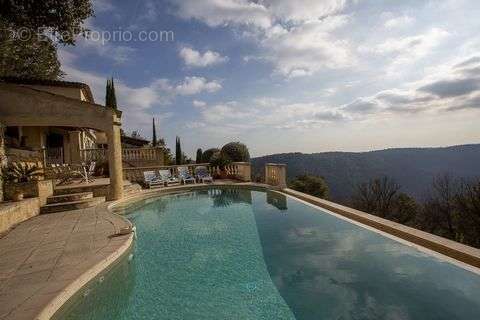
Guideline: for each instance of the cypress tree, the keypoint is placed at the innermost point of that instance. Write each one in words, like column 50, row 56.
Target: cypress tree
column 107, row 93
column 110, row 97
column 178, row 151
column 154, row 134
column 198, row 159
column 113, row 95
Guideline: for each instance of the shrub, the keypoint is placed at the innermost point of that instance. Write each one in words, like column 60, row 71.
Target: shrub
column 207, row 154
column 219, row 159
column 236, row 151
column 311, row 185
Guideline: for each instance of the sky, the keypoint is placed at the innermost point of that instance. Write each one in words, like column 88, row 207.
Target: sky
column 288, row 76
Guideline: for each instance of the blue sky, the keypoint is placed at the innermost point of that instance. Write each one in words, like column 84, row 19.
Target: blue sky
column 288, row 76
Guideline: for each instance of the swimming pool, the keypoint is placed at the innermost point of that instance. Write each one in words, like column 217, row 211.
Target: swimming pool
column 228, row 253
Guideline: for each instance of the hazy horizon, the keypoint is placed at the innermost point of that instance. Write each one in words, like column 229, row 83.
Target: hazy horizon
column 281, row 76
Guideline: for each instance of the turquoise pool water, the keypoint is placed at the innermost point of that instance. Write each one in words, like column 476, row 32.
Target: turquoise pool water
column 241, row 254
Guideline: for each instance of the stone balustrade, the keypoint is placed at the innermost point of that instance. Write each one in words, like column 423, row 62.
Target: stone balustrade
column 237, row 170
column 276, row 175
column 137, row 157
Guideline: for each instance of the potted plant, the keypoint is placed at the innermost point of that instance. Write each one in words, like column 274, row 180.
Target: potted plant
column 220, row 160
column 20, row 180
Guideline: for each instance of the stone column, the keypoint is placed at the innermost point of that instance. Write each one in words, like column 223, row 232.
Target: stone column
column 115, row 166
column 244, row 171
column 276, row 175
column 75, row 144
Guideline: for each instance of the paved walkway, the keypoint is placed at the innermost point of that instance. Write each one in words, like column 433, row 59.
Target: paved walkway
column 42, row 256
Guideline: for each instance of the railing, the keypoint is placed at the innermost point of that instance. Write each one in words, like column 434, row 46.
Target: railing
column 140, row 155
column 54, row 155
column 276, row 175
column 237, row 170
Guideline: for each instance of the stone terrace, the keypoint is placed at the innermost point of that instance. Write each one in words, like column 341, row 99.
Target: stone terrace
column 45, row 255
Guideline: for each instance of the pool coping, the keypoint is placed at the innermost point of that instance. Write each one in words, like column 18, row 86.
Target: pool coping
column 445, row 248
column 70, row 291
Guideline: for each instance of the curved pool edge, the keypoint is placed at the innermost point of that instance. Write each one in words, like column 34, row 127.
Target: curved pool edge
column 72, row 289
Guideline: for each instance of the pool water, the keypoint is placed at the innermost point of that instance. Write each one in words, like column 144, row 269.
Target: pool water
column 240, row 254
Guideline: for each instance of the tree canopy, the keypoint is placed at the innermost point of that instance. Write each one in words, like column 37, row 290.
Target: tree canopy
column 30, row 31
column 236, row 152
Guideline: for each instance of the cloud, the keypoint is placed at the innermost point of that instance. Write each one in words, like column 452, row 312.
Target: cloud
column 298, row 37
column 452, row 88
column 137, row 103
column 456, row 89
column 306, row 49
column 193, row 58
column 234, row 116
column 199, row 104
column 225, row 12
column 194, row 85
column 399, row 22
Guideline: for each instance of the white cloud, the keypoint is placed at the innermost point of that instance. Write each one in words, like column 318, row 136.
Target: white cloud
column 399, row 22
column 297, row 37
column 195, row 85
column 303, row 10
column 225, row 12
column 308, row 48
column 409, row 49
column 199, row 104
column 194, row 58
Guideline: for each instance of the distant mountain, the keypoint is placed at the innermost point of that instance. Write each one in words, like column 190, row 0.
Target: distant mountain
column 412, row 168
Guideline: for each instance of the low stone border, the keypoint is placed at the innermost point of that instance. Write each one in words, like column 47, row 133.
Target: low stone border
column 449, row 248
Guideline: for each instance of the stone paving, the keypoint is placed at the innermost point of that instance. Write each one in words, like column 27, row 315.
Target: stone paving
column 42, row 256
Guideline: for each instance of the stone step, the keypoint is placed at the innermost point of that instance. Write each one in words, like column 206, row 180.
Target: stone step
column 97, row 189
column 70, row 197
column 74, row 205
column 132, row 189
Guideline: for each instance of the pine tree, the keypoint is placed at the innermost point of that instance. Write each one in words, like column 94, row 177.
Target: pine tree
column 198, row 159
column 178, row 151
column 154, row 134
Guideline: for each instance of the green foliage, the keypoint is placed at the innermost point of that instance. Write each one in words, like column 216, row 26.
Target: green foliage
column 154, row 134
column 198, row 158
column 29, row 31
column 219, row 159
column 178, row 151
column 61, row 19
column 21, row 172
column 236, row 151
column 28, row 59
column 313, row 185
column 207, row 154
column 110, row 96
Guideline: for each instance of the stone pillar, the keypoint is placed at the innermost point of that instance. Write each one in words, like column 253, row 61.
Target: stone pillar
column 276, row 175
column 244, row 171
column 75, row 143
column 115, row 166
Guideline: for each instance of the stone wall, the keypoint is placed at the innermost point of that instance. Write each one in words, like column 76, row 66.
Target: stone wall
column 41, row 189
column 12, row 213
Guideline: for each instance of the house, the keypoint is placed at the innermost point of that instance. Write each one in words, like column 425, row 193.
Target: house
column 60, row 144
column 56, row 121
